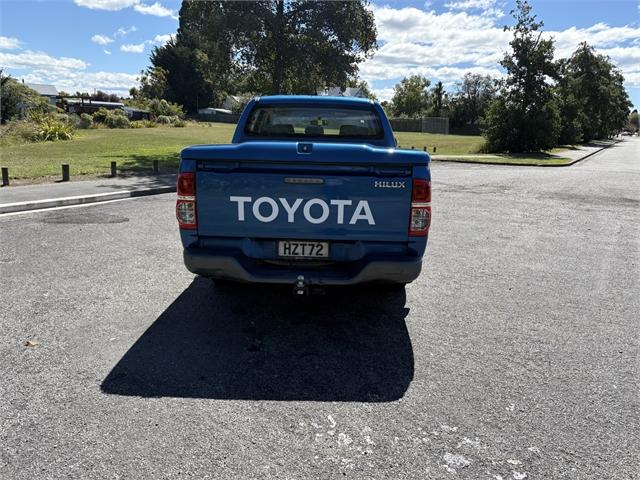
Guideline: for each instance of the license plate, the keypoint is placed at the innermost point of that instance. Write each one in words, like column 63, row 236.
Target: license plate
column 304, row 249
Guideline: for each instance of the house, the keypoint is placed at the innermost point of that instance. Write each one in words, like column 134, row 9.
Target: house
column 136, row 113
column 339, row 92
column 86, row 105
column 223, row 115
column 232, row 102
column 48, row 91
column 214, row 111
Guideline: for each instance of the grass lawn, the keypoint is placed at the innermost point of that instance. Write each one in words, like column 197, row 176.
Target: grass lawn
column 92, row 151
column 531, row 159
column 445, row 144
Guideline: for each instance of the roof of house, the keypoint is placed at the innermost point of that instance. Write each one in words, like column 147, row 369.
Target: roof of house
column 42, row 89
column 214, row 110
column 96, row 103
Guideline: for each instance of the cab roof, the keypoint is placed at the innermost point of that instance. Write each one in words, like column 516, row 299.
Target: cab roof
column 313, row 99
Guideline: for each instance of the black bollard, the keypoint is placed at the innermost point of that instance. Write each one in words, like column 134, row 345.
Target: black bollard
column 5, row 176
column 65, row 172
column 114, row 169
column 156, row 167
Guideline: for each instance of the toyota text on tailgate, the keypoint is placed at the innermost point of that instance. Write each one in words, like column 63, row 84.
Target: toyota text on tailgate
column 311, row 191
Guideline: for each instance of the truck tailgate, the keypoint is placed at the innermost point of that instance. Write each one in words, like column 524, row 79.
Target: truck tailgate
column 296, row 201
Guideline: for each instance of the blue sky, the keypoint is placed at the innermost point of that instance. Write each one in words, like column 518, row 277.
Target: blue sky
column 103, row 44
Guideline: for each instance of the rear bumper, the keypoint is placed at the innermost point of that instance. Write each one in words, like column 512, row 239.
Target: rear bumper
column 230, row 267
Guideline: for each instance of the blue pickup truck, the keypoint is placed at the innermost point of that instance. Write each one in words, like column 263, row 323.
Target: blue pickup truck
column 312, row 191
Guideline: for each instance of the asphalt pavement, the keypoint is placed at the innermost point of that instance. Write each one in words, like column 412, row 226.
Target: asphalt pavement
column 515, row 354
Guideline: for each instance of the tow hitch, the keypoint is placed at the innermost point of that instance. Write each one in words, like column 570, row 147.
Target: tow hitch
column 301, row 288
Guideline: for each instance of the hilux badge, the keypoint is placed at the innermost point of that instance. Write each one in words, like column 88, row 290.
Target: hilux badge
column 385, row 184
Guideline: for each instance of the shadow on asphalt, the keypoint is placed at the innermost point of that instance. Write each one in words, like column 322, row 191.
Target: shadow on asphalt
column 240, row 342
column 140, row 181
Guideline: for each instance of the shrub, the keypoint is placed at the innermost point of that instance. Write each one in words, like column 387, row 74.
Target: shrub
column 119, row 111
column 164, row 120
column 51, row 128
column 86, row 121
column 179, row 123
column 16, row 98
column 137, row 124
column 70, row 119
column 18, row 131
column 117, row 121
column 163, row 108
column 101, row 115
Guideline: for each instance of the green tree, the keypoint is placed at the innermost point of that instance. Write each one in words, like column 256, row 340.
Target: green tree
column 411, row 96
column 592, row 95
column 570, row 106
column 634, row 124
column 266, row 46
column 525, row 117
column 439, row 96
column 16, row 98
column 471, row 99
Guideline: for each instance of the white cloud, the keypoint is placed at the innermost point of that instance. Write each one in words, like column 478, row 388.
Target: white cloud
column 9, row 43
column 106, row 4
column 156, row 10
column 161, row 39
column 444, row 46
column 70, row 81
column 101, row 39
column 598, row 35
column 139, row 47
column 384, row 94
column 488, row 8
column 69, row 74
column 133, row 48
column 470, row 4
column 107, row 52
column 40, row 60
column 121, row 32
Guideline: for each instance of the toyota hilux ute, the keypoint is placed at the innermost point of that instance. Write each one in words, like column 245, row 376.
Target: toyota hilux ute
column 311, row 191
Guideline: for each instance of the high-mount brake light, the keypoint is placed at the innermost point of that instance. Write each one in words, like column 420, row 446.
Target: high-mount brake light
column 186, row 203
column 420, row 218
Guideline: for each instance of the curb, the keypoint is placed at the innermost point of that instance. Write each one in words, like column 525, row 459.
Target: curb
column 81, row 199
column 568, row 164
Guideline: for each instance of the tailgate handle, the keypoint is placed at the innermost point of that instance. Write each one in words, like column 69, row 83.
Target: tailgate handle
column 380, row 172
column 223, row 167
column 304, row 181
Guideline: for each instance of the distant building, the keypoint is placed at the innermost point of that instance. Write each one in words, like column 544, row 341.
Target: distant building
column 48, row 91
column 214, row 111
column 86, row 105
column 223, row 115
column 338, row 92
column 136, row 113
column 232, row 102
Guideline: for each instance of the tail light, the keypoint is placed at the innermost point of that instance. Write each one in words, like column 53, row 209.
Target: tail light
column 186, row 204
column 420, row 219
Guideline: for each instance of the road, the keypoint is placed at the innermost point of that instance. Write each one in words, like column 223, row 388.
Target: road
column 515, row 355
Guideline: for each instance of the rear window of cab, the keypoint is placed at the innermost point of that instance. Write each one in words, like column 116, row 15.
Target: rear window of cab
column 313, row 122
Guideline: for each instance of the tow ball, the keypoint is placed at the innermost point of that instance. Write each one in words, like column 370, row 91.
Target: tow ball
column 300, row 287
